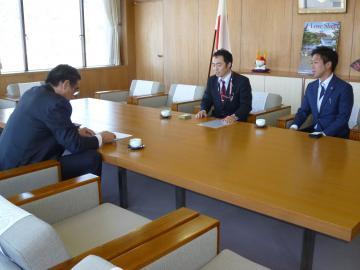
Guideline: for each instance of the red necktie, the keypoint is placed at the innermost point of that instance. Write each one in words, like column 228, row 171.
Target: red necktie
column 223, row 90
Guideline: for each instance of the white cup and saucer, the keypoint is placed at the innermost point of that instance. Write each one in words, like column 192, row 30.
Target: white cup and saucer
column 165, row 113
column 136, row 143
column 260, row 123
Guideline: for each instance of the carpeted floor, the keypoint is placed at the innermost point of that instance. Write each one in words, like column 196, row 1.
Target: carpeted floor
column 265, row 240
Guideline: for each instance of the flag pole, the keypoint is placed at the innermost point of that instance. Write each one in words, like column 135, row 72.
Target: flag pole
column 212, row 51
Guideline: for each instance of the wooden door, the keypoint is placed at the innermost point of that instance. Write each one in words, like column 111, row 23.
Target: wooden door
column 149, row 40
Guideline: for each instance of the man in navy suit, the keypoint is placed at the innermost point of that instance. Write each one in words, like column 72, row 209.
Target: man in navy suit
column 329, row 99
column 40, row 129
column 227, row 91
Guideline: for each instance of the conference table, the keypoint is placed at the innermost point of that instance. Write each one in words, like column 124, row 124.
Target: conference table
column 312, row 183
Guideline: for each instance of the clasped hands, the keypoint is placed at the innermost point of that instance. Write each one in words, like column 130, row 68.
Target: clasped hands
column 228, row 119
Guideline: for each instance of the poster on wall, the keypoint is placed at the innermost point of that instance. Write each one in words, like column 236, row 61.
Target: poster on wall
column 317, row 34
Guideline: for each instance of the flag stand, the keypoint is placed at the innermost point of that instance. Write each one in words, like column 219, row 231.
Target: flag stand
column 212, row 51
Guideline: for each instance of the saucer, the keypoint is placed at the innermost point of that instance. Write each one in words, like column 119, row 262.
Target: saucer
column 264, row 126
column 261, row 70
column 165, row 117
column 136, row 148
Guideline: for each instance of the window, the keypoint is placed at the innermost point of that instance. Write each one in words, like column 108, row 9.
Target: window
column 79, row 33
column 11, row 44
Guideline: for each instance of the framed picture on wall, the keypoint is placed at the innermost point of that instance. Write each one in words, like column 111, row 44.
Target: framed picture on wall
column 322, row 6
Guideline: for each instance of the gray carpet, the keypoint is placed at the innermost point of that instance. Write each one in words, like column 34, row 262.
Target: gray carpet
column 265, row 240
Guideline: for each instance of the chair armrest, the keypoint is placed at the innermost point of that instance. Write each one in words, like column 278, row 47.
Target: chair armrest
column 196, row 109
column 283, row 121
column 58, row 201
column 136, row 238
column 254, row 115
column 153, row 100
column 189, row 246
column 10, row 98
column 8, row 102
column 29, row 177
column 112, row 95
column 29, row 168
column 40, row 193
column 270, row 115
column 186, row 106
column 355, row 133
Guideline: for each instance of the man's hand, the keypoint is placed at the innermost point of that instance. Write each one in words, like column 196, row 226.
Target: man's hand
column 107, row 136
column 86, row 132
column 201, row 114
column 229, row 119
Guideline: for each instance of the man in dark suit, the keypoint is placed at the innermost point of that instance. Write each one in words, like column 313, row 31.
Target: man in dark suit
column 40, row 129
column 329, row 99
column 227, row 91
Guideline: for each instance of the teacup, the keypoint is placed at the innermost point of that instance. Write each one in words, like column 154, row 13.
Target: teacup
column 135, row 142
column 260, row 122
column 165, row 113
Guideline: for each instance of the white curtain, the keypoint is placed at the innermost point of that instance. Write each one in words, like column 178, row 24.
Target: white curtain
column 112, row 8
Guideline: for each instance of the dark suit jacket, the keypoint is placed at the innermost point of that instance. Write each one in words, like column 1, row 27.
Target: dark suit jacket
column 240, row 104
column 335, row 110
column 40, row 129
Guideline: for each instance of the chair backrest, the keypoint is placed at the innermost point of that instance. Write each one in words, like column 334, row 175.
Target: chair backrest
column 141, row 87
column 18, row 180
column 18, row 89
column 20, row 232
column 184, row 92
column 263, row 101
column 355, row 116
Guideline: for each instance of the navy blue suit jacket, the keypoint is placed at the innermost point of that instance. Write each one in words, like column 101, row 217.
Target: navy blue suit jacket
column 335, row 110
column 240, row 102
column 40, row 129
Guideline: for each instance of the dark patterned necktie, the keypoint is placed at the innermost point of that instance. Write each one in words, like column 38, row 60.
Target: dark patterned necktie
column 322, row 93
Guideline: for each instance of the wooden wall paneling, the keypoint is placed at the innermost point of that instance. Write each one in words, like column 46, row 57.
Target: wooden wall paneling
column 355, row 53
column 257, row 82
column 235, row 20
column 207, row 18
column 266, row 25
column 181, row 42
column 346, row 32
column 149, row 40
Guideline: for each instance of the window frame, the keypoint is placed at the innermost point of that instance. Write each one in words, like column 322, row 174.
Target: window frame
column 82, row 38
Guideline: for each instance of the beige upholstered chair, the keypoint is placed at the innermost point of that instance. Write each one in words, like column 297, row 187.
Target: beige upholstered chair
column 59, row 222
column 29, row 177
column 225, row 260
column 137, row 88
column 181, row 97
column 18, row 89
column 267, row 106
column 13, row 93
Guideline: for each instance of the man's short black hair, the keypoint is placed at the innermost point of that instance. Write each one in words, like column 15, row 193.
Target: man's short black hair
column 327, row 54
column 228, row 58
column 62, row 73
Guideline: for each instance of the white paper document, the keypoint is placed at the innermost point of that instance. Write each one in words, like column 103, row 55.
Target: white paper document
column 120, row 135
column 214, row 124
